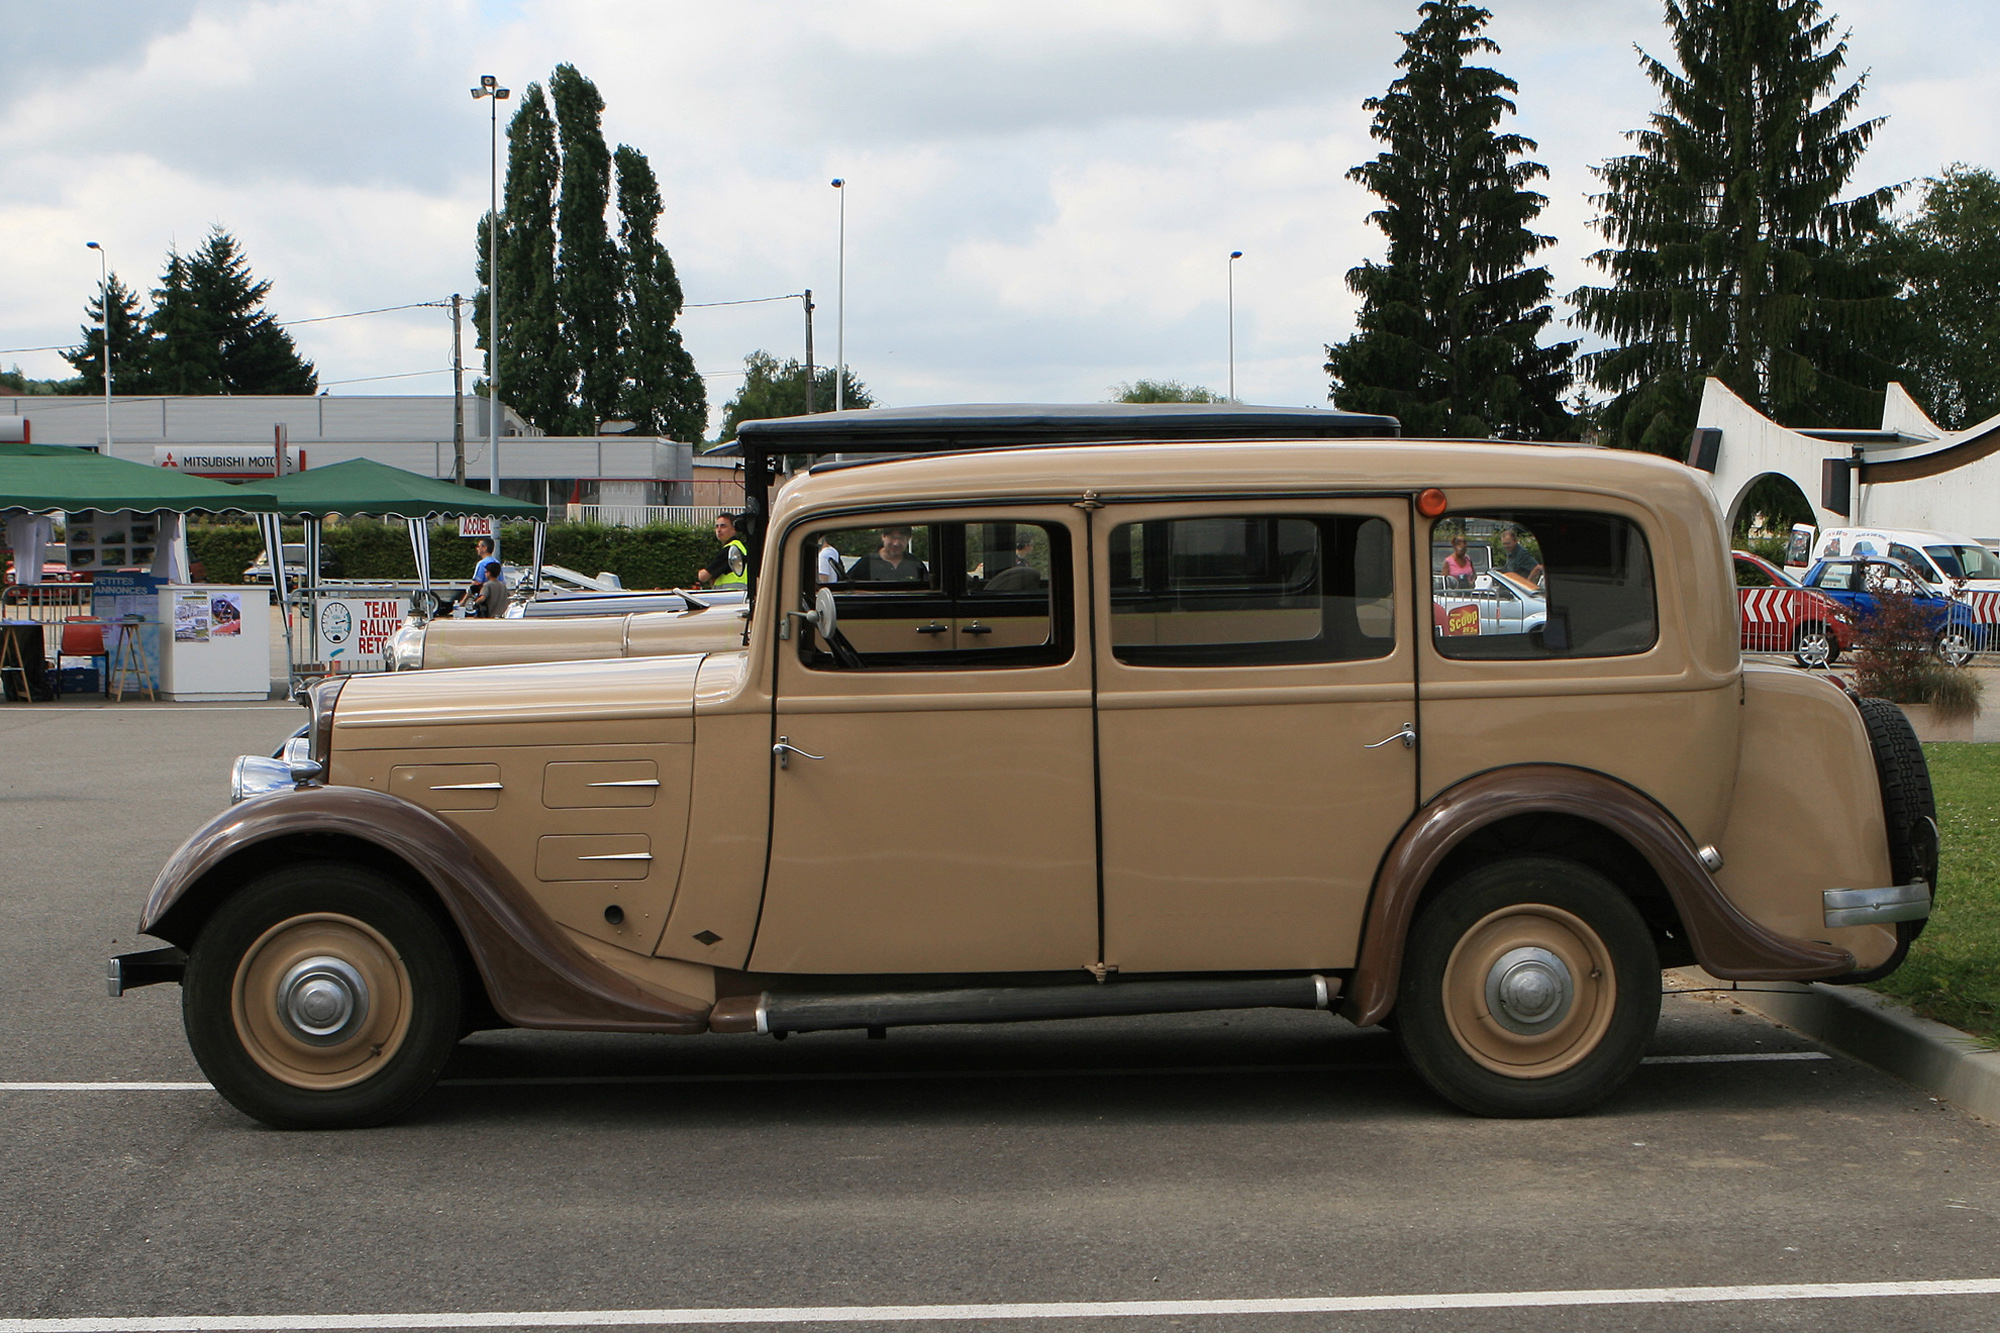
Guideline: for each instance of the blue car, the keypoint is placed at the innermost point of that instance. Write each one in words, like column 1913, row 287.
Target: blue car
column 1852, row 583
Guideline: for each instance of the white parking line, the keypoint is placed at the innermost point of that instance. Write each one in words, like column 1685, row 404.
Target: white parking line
column 909, row 1075
column 884, row 1314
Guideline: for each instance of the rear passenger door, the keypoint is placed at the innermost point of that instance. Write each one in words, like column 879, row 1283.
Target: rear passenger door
column 1249, row 655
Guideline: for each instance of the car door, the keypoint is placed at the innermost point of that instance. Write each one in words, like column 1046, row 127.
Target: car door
column 933, row 808
column 1252, row 658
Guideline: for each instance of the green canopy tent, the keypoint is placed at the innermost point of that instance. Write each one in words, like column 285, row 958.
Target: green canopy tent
column 362, row 486
column 39, row 479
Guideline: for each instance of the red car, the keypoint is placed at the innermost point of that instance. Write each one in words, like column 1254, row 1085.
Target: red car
column 1781, row 615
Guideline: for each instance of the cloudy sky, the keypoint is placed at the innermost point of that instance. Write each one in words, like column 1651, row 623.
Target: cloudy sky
column 1042, row 193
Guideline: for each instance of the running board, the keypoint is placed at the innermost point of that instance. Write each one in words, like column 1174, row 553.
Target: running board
column 803, row 1011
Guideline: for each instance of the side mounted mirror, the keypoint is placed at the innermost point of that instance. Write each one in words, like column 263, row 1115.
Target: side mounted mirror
column 823, row 617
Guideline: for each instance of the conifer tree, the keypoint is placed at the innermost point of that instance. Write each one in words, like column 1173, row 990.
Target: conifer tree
column 661, row 394
column 1446, row 338
column 129, row 370
column 209, row 331
column 587, row 276
column 1732, row 253
column 537, row 374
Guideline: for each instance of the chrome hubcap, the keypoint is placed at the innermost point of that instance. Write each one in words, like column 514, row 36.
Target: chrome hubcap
column 1529, row 990
column 322, row 1000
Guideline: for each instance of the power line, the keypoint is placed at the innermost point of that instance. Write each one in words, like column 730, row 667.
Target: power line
column 365, row 379
column 9, row 351
column 278, row 323
column 755, row 300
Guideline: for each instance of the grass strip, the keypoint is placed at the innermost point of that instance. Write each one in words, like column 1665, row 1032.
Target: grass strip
column 1953, row 971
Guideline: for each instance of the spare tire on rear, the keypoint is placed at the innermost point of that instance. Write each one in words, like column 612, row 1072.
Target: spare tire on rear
column 1909, row 809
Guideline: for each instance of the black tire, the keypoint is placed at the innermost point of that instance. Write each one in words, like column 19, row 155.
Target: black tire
column 1909, row 808
column 1540, row 1058
column 1814, row 646
column 294, row 931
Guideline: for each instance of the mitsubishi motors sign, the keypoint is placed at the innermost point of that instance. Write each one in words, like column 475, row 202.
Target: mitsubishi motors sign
column 226, row 462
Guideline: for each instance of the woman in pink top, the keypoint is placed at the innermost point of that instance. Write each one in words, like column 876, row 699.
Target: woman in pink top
column 1457, row 566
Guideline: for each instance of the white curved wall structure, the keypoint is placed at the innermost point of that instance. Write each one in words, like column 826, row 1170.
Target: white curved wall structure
column 1907, row 473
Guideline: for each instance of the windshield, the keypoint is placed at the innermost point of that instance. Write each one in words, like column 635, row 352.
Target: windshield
column 1965, row 562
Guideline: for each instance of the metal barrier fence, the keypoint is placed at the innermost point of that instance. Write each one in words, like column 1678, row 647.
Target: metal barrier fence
column 1773, row 619
column 45, row 604
column 639, row 516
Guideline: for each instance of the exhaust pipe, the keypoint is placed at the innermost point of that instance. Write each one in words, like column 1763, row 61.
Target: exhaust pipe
column 801, row 1011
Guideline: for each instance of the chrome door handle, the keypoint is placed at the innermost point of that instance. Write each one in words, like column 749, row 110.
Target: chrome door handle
column 784, row 749
column 975, row 628
column 932, row 629
column 1408, row 736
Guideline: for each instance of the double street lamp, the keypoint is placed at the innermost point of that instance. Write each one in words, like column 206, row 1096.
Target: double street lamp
column 489, row 87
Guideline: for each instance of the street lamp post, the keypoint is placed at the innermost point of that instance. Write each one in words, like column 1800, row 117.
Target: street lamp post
column 1234, row 255
column 840, row 307
column 104, row 308
column 489, row 87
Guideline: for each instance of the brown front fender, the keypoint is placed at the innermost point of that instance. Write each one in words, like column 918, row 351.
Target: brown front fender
column 1727, row 943
column 534, row 976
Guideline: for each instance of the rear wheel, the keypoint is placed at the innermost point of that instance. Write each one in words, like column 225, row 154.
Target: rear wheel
column 1530, row 988
column 1815, row 646
column 322, row 996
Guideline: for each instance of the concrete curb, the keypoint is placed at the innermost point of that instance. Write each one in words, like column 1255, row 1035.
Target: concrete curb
column 1878, row 1031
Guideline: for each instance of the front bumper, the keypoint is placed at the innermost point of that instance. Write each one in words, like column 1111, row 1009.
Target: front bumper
column 1875, row 907
column 129, row 970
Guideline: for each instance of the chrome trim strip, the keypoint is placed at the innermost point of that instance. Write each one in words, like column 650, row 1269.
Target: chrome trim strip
column 1872, row 907
column 1321, row 1000
column 469, row 786
column 619, row 856
column 630, row 782
column 763, row 1018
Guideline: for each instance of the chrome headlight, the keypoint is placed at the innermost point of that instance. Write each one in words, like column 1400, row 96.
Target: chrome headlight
column 254, row 775
column 405, row 649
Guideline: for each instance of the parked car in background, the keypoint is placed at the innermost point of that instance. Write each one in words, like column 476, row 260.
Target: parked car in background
column 1217, row 754
column 1782, row 615
column 1941, row 559
column 1494, row 604
column 295, row 565
column 1853, row 584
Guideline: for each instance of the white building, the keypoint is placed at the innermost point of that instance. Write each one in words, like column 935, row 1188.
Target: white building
column 613, row 476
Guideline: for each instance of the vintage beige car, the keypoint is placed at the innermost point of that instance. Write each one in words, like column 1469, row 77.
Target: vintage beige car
column 1140, row 714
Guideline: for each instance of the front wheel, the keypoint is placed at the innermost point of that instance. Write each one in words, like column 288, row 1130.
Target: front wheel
column 322, row 996
column 1530, row 987
column 1954, row 645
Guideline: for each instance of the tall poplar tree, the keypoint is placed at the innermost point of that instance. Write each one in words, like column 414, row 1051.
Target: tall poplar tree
column 537, row 374
column 1732, row 253
column 1447, row 335
column 587, row 276
column 661, row 392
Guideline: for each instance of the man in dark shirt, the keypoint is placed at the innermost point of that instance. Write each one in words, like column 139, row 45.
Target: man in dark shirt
column 892, row 562
column 1514, row 557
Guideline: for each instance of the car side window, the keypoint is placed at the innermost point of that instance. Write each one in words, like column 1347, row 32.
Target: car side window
column 939, row 596
column 1564, row 584
column 1751, row 576
column 1252, row 590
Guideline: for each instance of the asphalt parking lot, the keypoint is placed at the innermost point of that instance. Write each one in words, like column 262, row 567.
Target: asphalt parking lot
column 1272, row 1171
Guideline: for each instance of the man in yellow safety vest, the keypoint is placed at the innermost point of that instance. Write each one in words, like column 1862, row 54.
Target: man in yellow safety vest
column 731, row 565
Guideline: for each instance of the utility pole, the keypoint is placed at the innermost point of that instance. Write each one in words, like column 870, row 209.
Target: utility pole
column 457, row 397
column 809, row 351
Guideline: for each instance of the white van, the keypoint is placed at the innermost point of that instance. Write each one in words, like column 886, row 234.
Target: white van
column 1941, row 558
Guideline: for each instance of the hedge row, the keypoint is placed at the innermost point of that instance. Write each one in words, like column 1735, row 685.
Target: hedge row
column 665, row 555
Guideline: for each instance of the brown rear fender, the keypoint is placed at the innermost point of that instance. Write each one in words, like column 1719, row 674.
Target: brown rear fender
column 534, row 976
column 1727, row 943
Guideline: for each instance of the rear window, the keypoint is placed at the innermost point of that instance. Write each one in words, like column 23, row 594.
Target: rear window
column 1564, row 584
column 1252, row 590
